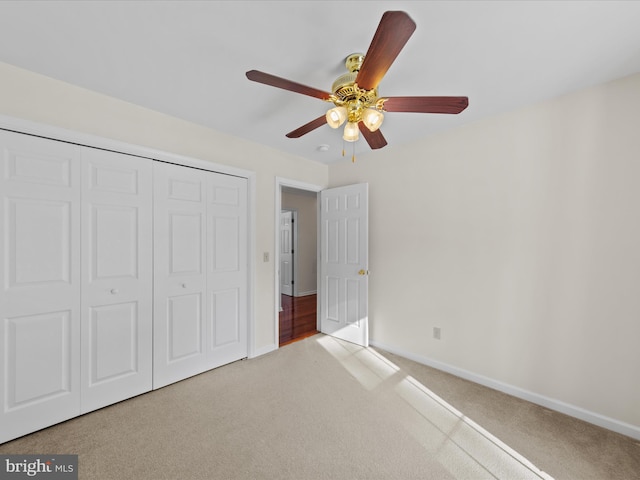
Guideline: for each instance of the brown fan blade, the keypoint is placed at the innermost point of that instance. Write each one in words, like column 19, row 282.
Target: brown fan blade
column 306, row 128
column 392, row 34
column 285, row 84
column 374, row 139
column 426, row 104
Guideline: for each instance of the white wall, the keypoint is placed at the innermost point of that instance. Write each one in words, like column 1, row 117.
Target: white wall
column 518, row 236
column 37, row 98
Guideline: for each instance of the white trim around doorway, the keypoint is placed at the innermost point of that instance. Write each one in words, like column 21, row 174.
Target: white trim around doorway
column 284, row 182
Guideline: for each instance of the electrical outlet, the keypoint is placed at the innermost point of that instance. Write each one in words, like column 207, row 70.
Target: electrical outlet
column 436, row 333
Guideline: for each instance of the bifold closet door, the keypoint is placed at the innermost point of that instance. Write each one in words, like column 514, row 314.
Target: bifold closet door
column 106, row 295
column 41, row 283
column 117, row 277
column 200, row 271
column 179, row 272
column 227, row 277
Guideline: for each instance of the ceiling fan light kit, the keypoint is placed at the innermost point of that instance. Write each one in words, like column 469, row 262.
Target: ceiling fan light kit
column 355, row 93
column 372, row 119
column 353, row 103
column 336, row 116
column 351, row 132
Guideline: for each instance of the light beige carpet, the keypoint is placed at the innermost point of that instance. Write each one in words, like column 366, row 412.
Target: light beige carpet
column 316, row 409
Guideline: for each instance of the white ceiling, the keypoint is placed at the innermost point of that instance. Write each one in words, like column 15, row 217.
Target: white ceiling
column 188, row 59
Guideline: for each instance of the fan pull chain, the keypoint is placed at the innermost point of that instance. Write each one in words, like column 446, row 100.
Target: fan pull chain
column 353, row 151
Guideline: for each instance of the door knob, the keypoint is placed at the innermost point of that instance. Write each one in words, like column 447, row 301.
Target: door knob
column 183, row 285
column 114, row 291
column 363, row 272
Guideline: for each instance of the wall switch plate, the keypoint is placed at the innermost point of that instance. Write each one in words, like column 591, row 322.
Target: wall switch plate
column 265, row 257
column 436, row 333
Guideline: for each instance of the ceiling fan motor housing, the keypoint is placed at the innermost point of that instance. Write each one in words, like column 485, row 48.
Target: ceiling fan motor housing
column 347, row 93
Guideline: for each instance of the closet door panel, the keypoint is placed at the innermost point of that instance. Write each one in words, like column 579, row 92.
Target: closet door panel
column 117, row 300
column 40, row 294
column 227, row 269
column 179, row 272
column 184, row 327
column 113, row 347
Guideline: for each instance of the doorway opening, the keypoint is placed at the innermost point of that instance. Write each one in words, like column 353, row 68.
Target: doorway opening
column 297, row 261
column 298, row 318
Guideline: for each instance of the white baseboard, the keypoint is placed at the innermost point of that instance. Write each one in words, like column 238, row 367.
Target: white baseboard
column 305, row 294
column 263, row 350
column 627, row 429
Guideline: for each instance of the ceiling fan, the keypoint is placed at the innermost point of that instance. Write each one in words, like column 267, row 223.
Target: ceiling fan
column 355, row 94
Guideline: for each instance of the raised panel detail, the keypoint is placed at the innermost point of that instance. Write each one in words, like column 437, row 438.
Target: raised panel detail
column 285, row 236
column 39, row 248
column 114, row 242
column 113, row 341
column 185, row 243
column 285, row 273
column 114, row 180
column 225, row 317
column 226, row 196
column 37, row 358
column 333, row 299
column 185, row 190
column 353, row 202
column 226, row 235
column 332, row 243
column 353, row 241
column 353, row 302
column 29, row 167
column 285, row 241
column 332, row 204
column 184, row 332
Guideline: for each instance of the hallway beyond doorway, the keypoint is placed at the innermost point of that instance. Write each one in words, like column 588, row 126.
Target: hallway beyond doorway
column 298, row 318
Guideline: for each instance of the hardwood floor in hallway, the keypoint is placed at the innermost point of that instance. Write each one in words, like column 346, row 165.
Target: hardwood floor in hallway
column 297, row 318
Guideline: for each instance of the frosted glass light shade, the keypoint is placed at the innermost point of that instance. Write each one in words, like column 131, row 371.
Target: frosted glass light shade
column 372, row 119
column 351, row 132
column 336, row 116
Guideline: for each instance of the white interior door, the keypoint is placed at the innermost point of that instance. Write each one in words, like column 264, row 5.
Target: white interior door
column 40, row 294
column 227, row 278
column 179, row 273
column 117, row 277
column 344, row 263
column 286, row 252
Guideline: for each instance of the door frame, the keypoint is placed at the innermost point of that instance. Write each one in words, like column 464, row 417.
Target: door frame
column 281, row 182
column 51, row 132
